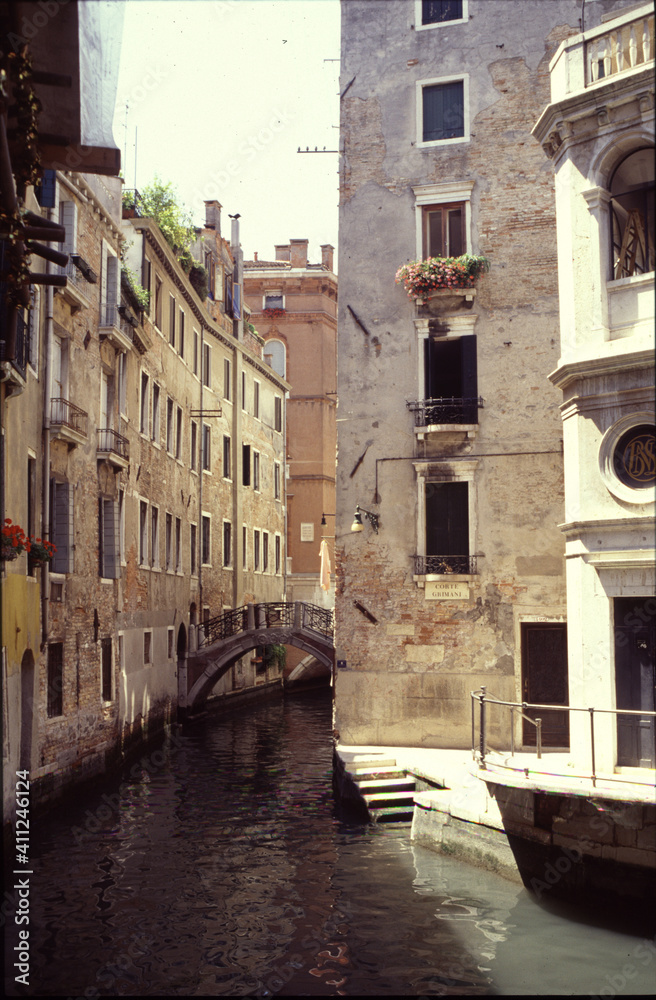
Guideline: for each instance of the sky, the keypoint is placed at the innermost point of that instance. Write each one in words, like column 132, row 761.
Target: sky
column 221, row 93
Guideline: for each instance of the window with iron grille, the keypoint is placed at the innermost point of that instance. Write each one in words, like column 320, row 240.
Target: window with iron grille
column 55, row 679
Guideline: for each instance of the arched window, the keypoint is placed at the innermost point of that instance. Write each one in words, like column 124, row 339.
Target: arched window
column 274, row 353
column 632, row 214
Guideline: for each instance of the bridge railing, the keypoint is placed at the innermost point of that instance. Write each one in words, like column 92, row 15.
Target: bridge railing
column 273, row 614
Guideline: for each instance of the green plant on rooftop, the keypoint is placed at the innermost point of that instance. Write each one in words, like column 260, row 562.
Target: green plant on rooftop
column 159, row 202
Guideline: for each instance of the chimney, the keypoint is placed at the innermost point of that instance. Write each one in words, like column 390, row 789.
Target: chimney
column 299, row 250
column 213, row 216
column 255, row 256
column 327, row 255
column 282, row 251
column 234, row 232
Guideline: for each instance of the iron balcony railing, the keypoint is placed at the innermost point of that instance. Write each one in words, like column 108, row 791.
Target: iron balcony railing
column 110, row 441
column 21, row 346
column 73, row 275
column 62, row 411
column 444, row 565
column 481, row 749
column 109, row 314
column 445, row 410
column 620, row 48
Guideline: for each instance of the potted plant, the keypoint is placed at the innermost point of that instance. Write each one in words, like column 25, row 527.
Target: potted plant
column 14, row 541
column 273, row 313
column 41, row 550
column 423, row 277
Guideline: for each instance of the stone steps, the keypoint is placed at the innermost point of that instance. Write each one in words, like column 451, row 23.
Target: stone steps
column 387, row 790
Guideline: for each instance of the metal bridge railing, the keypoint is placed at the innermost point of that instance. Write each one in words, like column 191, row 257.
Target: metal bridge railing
column 272, row 614
column 480, row 746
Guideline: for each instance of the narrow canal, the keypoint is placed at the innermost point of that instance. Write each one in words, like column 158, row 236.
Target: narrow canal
column 216, row 867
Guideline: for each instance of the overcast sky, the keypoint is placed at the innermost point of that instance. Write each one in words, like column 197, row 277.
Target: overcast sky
column 222, row 93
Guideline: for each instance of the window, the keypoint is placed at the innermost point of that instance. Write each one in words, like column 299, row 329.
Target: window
column 147, row 273
column 443, row 230
column 194, row 446
column 207, row 448
column 172, row 314
column 206, row 541
column 256, row 399
column 226, row 379
column 121, row 526
column 277, row 417
column 274, row 300
column 61, row 527
column 432, row 13
column 178, row 433
column 158, row 302
column 169, row 425
column 109, row 548
column 227, row 543
column 143, row 423
column 274, row 354
column 244, row 546
column 278, row 555
column 256, row 550
column 143, row 533
column 178, row 545
column 181, row 335
column 276, row 480
column 256, row 470
column 447, row 528
column 632, row 214
column 32, row 320
column 196, row 342
column 193, row 546
column 265, row 551
column 450, row 381
column 168, row 543
column 170, row 635
column 123, row 384
column 246, row 465
column 154, row 537
column 227, row 464
column 109, row 288
column 147, row 651
column 442, row 110
column 243, row 390
column 155, row 424
column 55, row 679
column 106, row 668
column 207, row 366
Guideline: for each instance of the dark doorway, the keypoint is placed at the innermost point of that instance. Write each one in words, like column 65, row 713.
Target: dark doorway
column 635, row 677
column 544, row 681
column 451, row 380
column 181, row 647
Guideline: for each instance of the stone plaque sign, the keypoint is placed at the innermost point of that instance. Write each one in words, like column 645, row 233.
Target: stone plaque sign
column 438, row 590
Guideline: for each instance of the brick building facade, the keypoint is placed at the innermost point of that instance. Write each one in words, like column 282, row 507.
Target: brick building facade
column 449, row 430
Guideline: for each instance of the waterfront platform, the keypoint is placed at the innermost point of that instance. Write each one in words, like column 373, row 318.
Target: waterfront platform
column 526, row 817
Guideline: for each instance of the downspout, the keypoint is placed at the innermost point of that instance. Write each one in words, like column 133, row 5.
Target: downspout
column 284, row 493
column 45, row 486
column 199, row 539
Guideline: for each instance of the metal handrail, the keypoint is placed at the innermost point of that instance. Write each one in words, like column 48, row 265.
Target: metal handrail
column 111, row 440
column 272, row 614
column 483, row 697
column 444, row 565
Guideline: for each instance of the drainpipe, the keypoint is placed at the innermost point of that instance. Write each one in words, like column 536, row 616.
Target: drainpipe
column 199, row 539
column 284, row 493
column 45, row 486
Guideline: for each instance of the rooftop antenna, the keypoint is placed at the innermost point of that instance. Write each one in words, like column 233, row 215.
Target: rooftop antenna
column 125, row 141
column 135, row 157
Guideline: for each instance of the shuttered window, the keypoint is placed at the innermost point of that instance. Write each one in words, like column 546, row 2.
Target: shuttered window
column 61, row 527
column 447, row 519
column 106, row 668
column 443, row 106
column 55, row 679
column 109, row 539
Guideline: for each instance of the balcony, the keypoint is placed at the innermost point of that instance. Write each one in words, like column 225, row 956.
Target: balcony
column 445, row 565
column 113, row 448
column 75, row 289
column 111, row 328
column 446, row 414
column 68, row 422
column 14, row 369
column 617, row 48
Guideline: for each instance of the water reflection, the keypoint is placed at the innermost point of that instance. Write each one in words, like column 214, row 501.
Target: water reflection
column 217, row 868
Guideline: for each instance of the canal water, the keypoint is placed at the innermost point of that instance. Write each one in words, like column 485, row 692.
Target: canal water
column 216, row 867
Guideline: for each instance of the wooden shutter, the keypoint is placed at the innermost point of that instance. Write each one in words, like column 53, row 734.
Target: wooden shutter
column 61, row 531
column 109, row 534
column 68, row 219
column 469, row 377
column 111, row 289
column 447, row 519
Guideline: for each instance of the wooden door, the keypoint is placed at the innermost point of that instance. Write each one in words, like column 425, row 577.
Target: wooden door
column 635, row 678
column 544, row 681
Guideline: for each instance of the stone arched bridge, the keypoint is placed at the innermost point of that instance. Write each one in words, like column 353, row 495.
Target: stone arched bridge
column 215, row 645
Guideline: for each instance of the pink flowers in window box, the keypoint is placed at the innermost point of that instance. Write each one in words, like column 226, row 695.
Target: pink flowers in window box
column 421, row 277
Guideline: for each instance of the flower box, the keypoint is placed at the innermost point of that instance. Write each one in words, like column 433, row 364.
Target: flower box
column 422, row 278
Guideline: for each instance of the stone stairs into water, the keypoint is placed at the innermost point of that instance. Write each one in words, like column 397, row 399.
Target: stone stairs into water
column 387, row 790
